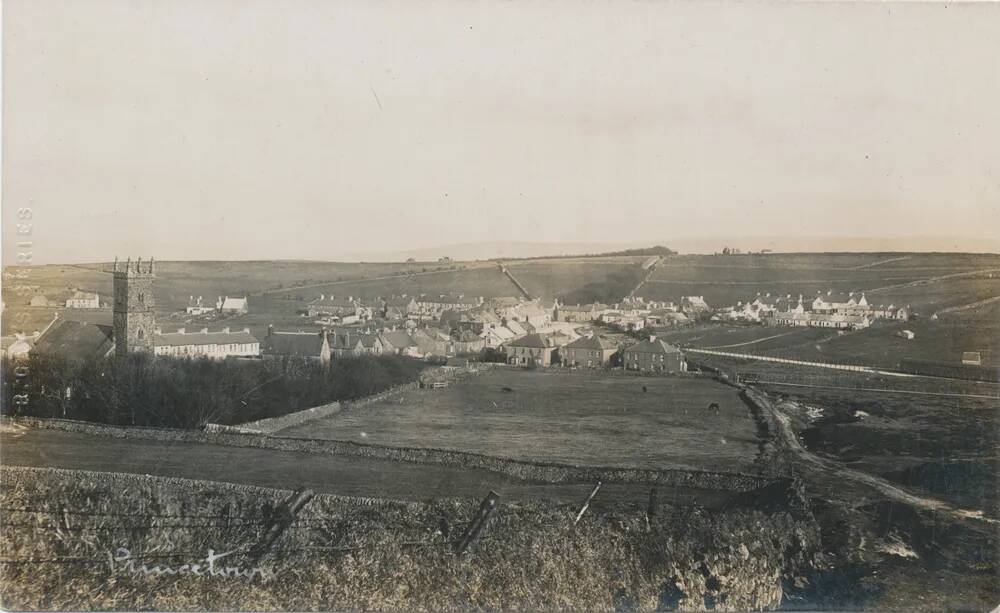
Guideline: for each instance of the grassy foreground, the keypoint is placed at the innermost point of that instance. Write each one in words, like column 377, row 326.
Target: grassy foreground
column 64, row 533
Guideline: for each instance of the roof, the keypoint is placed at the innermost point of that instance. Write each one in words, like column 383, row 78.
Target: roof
column 83, row 296
column 180, row 339
column 369, row 340
column 517, row 328
column 501, row 332
column 76, row 339
column 234, row 303
column 653, row 346
column 533, row 341
column 400, row 339
column 594, row 342
column 971, row 355
column 399, row 301
column 293, row 343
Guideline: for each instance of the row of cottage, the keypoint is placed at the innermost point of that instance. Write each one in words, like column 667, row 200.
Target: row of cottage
column 85, row 340
column 850, row 311
column 633, row 313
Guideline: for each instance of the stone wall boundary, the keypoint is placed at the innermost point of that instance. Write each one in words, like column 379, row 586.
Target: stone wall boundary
column 524, row 470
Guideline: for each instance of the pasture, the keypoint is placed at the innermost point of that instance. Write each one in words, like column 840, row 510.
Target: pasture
column 724, row 280
column 576, row 418
column 568, row 278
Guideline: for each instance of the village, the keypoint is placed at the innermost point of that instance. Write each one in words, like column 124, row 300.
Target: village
column 517, row 330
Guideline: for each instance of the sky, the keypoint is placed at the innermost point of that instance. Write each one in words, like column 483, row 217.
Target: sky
column 310, row 129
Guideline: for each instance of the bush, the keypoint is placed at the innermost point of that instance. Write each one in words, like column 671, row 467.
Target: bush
column 188, row 393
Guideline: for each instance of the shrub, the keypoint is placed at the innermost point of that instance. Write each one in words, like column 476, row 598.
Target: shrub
column 187, row 393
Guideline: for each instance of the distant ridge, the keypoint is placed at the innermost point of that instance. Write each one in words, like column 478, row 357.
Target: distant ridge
column 777, row 244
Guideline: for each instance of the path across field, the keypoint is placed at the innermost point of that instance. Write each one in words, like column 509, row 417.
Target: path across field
column 811, row 461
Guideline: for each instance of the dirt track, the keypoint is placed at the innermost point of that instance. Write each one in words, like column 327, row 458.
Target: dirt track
column 813, row 462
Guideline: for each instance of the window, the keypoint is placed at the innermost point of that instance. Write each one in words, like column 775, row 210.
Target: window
column 139, row 335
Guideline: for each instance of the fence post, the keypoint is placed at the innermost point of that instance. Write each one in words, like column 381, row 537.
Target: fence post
column 586, row 503
column 282, row 518
column 654, row 502
column 478, row 522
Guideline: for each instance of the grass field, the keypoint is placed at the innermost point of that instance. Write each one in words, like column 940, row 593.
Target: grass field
column 724, row 280
column 479, row 279
column 558, row 278
column 577, row 418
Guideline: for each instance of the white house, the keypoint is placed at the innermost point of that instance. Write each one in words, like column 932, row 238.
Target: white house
column 232, row 305
column 196, row 307
column 83, row 300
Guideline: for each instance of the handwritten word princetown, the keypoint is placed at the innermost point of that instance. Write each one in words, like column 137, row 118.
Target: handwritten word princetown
column 132, row 566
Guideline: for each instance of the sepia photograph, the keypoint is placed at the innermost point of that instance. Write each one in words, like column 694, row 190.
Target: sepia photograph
column 500, row 306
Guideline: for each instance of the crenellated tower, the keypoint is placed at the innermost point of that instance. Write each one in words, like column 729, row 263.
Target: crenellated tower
column 134, row 321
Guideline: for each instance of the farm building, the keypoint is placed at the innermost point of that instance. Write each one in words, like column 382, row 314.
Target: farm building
column 907, row 334
column 530, row 350
column 590, row 351
column 216, row 345
column 83, row 300
column 654, row 355
column 972, row 358
column 39, row 300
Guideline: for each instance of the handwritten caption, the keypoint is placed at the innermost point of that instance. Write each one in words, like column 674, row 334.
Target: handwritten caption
column 123, row 561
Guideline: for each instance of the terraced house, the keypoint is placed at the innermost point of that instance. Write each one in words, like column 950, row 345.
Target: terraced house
column 216, row 345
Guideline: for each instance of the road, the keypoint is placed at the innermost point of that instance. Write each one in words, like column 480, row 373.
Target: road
column 324, row 473
column 816, row 464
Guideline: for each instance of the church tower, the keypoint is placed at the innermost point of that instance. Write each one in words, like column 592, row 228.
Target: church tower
column 134, row 322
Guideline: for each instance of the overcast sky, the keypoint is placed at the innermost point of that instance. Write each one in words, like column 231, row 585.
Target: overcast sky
column 252, row 130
